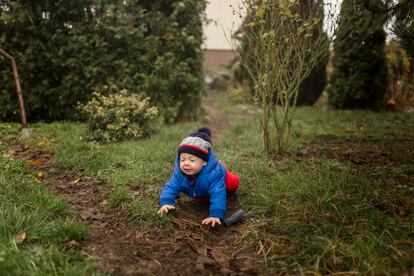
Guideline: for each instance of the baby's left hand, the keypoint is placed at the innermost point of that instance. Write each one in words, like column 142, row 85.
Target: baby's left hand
column 211, row 220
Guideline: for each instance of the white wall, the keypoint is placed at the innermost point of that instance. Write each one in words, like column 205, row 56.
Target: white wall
column 224, row 22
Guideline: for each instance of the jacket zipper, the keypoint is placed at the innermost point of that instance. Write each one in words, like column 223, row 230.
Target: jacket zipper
column 193, row 185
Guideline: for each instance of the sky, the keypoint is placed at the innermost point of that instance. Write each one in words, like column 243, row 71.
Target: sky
column 225, row 20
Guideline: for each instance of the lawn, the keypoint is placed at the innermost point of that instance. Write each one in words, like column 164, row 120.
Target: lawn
column 340, row 201
column 36, row 227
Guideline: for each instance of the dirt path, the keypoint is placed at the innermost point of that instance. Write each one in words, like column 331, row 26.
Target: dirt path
column 218, row 122
column 122, row 247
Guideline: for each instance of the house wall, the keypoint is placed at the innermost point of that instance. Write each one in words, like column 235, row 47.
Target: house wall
column 215, row 61
column 223, row 22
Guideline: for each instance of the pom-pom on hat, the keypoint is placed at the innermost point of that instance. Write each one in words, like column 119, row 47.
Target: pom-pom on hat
column 197, row 143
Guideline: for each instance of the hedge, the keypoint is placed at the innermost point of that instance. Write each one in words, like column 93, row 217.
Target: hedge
column 65, row 50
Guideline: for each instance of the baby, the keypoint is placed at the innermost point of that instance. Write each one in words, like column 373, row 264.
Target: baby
column 199, row 174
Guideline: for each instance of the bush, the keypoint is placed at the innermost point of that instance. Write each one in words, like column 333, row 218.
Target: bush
column 221, row 82
column 66, row 51
column 359, row 78
column 400, row 75
column 120, row 116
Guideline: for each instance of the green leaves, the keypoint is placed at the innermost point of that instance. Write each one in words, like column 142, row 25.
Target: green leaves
column 359, row 78
column 79, row 48
column 120, row 116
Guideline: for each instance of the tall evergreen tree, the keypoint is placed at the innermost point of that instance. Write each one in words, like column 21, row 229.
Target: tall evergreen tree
column 359, row 79
column 312, row 87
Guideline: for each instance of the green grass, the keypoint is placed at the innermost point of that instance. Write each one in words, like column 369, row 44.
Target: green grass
column 26, row 206
column 316, row 209
column 324, row 209
column 305, row 212
column 136, row 170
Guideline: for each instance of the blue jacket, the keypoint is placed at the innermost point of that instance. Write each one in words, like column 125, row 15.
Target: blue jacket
column 209, row 183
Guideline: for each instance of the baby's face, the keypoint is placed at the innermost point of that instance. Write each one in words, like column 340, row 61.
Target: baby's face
column 190, row 164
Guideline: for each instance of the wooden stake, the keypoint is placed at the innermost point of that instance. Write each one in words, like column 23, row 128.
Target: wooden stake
column 23, row 117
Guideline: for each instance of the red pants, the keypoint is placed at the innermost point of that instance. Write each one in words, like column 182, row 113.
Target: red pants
column 232, row 181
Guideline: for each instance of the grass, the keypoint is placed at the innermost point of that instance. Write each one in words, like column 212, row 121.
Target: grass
column 323, row 209
column 316, row 209
column 136, row 170
column 27, row 207
column 310, row 213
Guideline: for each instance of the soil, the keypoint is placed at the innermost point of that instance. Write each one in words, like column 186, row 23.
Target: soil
column 217, row 121
column 370, row 155
column 220, row 122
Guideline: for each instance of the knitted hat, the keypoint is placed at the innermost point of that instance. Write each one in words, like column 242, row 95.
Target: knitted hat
column 197, row 143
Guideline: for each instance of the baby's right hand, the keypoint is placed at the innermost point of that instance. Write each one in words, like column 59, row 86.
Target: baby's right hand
column 165, row 209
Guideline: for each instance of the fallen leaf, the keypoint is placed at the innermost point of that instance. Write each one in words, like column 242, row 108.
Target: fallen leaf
column 226, row 270
column 75, row 181
column 86, row 214
column 20, row 237
column 19, row 148
column 40, row 174
column 104, row 202
column 98, row 216
column 35, row 162
column 43, row 141
column 70, row 244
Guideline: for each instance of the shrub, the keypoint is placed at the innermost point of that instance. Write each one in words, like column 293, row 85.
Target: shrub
column 359, row 78
column 120, row 116
column 400, row 75
column 66, row 51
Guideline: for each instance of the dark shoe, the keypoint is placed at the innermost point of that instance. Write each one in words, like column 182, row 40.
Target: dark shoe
column 236, row 217
column 231, row 195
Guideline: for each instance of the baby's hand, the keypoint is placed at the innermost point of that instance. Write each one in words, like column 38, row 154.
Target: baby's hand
column 211, row 220
column 165, row 208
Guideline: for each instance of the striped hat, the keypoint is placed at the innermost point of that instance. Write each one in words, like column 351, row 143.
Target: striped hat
column 197, row 143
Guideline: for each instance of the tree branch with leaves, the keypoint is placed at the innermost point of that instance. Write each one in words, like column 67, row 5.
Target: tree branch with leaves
column 285, row 40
